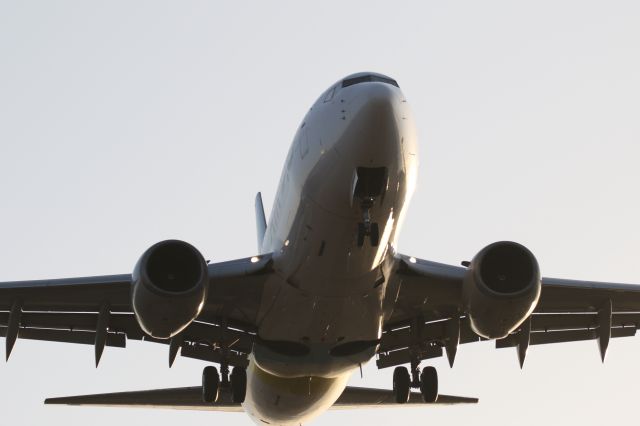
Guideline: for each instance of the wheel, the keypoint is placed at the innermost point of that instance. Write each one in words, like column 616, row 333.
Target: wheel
column 375, row 235
column 238, row 384
column 210, row 384
column 401, row 384
column 429, row 384
column 361, row 234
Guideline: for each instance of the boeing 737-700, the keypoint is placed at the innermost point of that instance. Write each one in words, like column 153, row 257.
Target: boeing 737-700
column 326, row 290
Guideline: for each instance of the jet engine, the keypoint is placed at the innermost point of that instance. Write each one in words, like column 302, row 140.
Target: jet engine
column 501, row 288
column 169, row 288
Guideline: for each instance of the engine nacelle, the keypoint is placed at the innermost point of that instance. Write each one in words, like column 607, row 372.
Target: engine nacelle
column 501, row 288
column 169, row 289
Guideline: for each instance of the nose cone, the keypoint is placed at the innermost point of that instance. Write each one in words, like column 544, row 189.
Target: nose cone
column 379, row 103
column 375, row 95
column 373, row 135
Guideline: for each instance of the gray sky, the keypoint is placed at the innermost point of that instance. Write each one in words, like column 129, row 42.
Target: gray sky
column 125, row 123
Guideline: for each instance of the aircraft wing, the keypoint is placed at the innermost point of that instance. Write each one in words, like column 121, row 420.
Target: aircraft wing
column 190, row 398
column 431, row 293
column 69, row 310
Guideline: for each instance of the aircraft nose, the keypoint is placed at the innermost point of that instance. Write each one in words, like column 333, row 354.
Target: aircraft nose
column 379, row 100
column 374, row 132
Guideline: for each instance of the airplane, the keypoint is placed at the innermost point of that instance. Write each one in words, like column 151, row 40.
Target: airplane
column 325, row 292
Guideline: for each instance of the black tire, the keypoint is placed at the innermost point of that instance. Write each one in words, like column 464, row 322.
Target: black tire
column 361, row 234
column 238, row 385
column 375, row 235
column 401, row 384
column 210, row 384
column 429, row 384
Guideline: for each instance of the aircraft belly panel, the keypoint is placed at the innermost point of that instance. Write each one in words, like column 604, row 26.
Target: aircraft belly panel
column 319, row 324
column 289, row 401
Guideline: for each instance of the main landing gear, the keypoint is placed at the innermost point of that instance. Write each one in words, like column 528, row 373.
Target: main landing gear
column 425, row 380
column 236, row 383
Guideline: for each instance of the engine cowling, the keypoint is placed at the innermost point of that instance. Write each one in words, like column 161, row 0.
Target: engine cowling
column 501, row 288
column 169, row 289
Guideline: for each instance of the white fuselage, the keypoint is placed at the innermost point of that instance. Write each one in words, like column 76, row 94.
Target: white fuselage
column 322, row 315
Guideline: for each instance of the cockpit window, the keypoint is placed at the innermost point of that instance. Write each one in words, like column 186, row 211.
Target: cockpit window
column 367, row 79
column 329, row 95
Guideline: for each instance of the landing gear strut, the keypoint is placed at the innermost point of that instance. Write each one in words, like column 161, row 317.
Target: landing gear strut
column 370, row 186
column 426, row 381
column 212, row 383
column 366, row 228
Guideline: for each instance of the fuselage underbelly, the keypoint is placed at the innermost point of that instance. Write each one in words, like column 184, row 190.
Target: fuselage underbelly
column 348, row 177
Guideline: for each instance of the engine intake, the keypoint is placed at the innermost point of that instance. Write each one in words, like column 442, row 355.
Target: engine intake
column 169, row 289
column 501, row 288
column 174, row 267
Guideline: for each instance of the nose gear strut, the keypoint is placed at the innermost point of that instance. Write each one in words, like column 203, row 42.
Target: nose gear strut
column 366, row 228
column 370, row 183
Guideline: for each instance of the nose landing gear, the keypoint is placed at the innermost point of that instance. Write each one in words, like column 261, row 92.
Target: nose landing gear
column 369, row 185
column 366, row 228
column 426, row 381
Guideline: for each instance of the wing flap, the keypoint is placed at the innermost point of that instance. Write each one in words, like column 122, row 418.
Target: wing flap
column 563, row 336
column 583, row 320
column 406, row 355
column 67, row 336
column 401, row 338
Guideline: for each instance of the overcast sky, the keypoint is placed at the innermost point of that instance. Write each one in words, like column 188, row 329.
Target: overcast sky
column 124, row 123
